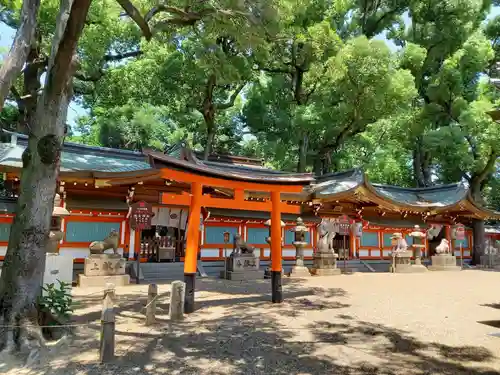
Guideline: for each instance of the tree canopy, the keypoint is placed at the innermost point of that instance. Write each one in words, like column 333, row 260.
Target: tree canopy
column 400, row 88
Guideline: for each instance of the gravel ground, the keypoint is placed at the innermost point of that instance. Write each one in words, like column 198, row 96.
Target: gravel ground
column 432, row 323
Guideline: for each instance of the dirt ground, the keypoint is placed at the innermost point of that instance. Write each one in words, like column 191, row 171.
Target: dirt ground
column 432, row 323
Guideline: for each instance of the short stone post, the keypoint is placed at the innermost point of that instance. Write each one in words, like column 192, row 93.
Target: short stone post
column 177, row 300
column 151, row 306
column 107, row 344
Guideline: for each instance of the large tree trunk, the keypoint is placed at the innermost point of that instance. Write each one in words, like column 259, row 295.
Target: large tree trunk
column 478, row 236
column 209, row 145
column 303, row 147
column 22, row 275
column 421, row 165
column 25, row 37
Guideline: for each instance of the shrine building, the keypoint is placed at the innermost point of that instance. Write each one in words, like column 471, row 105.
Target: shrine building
column 236, row 195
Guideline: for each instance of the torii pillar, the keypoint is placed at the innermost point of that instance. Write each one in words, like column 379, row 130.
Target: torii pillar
column 192, row 241
column 276, row 251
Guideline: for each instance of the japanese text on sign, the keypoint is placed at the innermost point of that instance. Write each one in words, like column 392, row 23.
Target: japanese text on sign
column 344, row 225
column 140, row 216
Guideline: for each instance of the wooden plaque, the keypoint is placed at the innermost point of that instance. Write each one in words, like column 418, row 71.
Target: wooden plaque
column 459, row 232
column 140, row 215
column 344, row 225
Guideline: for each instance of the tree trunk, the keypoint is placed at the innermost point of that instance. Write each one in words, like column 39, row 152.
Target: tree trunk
column 209, row 145
column 478, row 231
column 421, row 165
column 24, row 265
column 478, row 237
column 25, row 37
column 303, row 147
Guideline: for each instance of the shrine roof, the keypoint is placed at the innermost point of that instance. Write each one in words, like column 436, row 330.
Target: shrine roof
column 355, row 184
column 336, row 183
column 436, row 196
column 76, row 157
column 192, row 164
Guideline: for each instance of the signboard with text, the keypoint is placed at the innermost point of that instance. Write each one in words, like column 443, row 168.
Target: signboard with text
column 459, row 232
column 140, row 215
column 344, row 225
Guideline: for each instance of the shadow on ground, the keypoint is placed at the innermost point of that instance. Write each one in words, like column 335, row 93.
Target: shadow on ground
column 242, row 342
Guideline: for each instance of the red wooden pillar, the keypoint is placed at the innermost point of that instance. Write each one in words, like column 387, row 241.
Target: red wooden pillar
column 192, row 242
column 276, row 251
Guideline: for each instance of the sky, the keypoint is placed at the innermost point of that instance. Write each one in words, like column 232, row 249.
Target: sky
column 75, row 110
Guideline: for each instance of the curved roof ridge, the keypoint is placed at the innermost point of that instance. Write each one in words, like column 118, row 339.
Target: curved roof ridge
column 416, row 189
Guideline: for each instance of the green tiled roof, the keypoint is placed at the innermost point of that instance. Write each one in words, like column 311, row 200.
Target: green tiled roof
column 81, row 158
column 337, row 183
column 438, row 196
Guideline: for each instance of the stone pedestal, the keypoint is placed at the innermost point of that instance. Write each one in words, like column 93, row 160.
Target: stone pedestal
column 58, row 268
column 403, row 264
column 325, row 264
column 486, row 262
column 444, row 262
column 300, row 271
column 242, row 267
column 100, row 269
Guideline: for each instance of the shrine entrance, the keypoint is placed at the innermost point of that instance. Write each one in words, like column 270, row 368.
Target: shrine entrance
column 203, row 181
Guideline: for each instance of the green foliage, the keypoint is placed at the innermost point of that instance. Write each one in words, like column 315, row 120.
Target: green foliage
column 305, row 80
column 57, row 300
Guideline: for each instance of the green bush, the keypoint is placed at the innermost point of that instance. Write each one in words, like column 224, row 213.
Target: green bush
column 57, row 300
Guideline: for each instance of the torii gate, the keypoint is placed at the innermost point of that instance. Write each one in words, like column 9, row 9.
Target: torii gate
column 196, row 200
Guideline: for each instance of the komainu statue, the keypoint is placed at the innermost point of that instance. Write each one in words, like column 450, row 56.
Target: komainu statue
column 400, row 244
column 443, row 248
column 327, row 231
column 240, row 247
column 110, row 242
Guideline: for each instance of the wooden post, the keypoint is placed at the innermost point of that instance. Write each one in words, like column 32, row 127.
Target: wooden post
column 138, row 261
column 177, row 296
column 110, row 290
column 151, row 306
column 276, row 253
column 193, row 236
column 107, row 345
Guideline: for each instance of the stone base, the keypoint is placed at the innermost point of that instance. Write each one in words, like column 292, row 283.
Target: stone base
column 101, row 281
column 104, row 265
column 300, row 271
column 485, row 261
column 324, row 260
column 444, row 263
column 326, row 271
column 244, row 275
column 413, row 268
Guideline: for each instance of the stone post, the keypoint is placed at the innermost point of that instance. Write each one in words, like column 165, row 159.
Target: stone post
column 107, row 344
column 177, row 295
column 151, row 305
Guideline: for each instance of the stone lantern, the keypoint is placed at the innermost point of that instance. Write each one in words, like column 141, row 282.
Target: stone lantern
column 57, row 267
column 418, row 245
column 299, row 242
column 56, row 234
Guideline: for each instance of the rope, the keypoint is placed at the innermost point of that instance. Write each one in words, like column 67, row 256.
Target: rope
column 52, row 326
column 150, row 302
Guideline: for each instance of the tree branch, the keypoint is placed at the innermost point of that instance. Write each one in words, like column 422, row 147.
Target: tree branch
column 133, row 13
column 232, row 99
column 274, row 70
column 490, row 165
column 122, row 56
column 25, row 37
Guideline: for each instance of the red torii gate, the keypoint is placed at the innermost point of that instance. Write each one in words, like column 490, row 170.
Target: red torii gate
column 196, row 200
